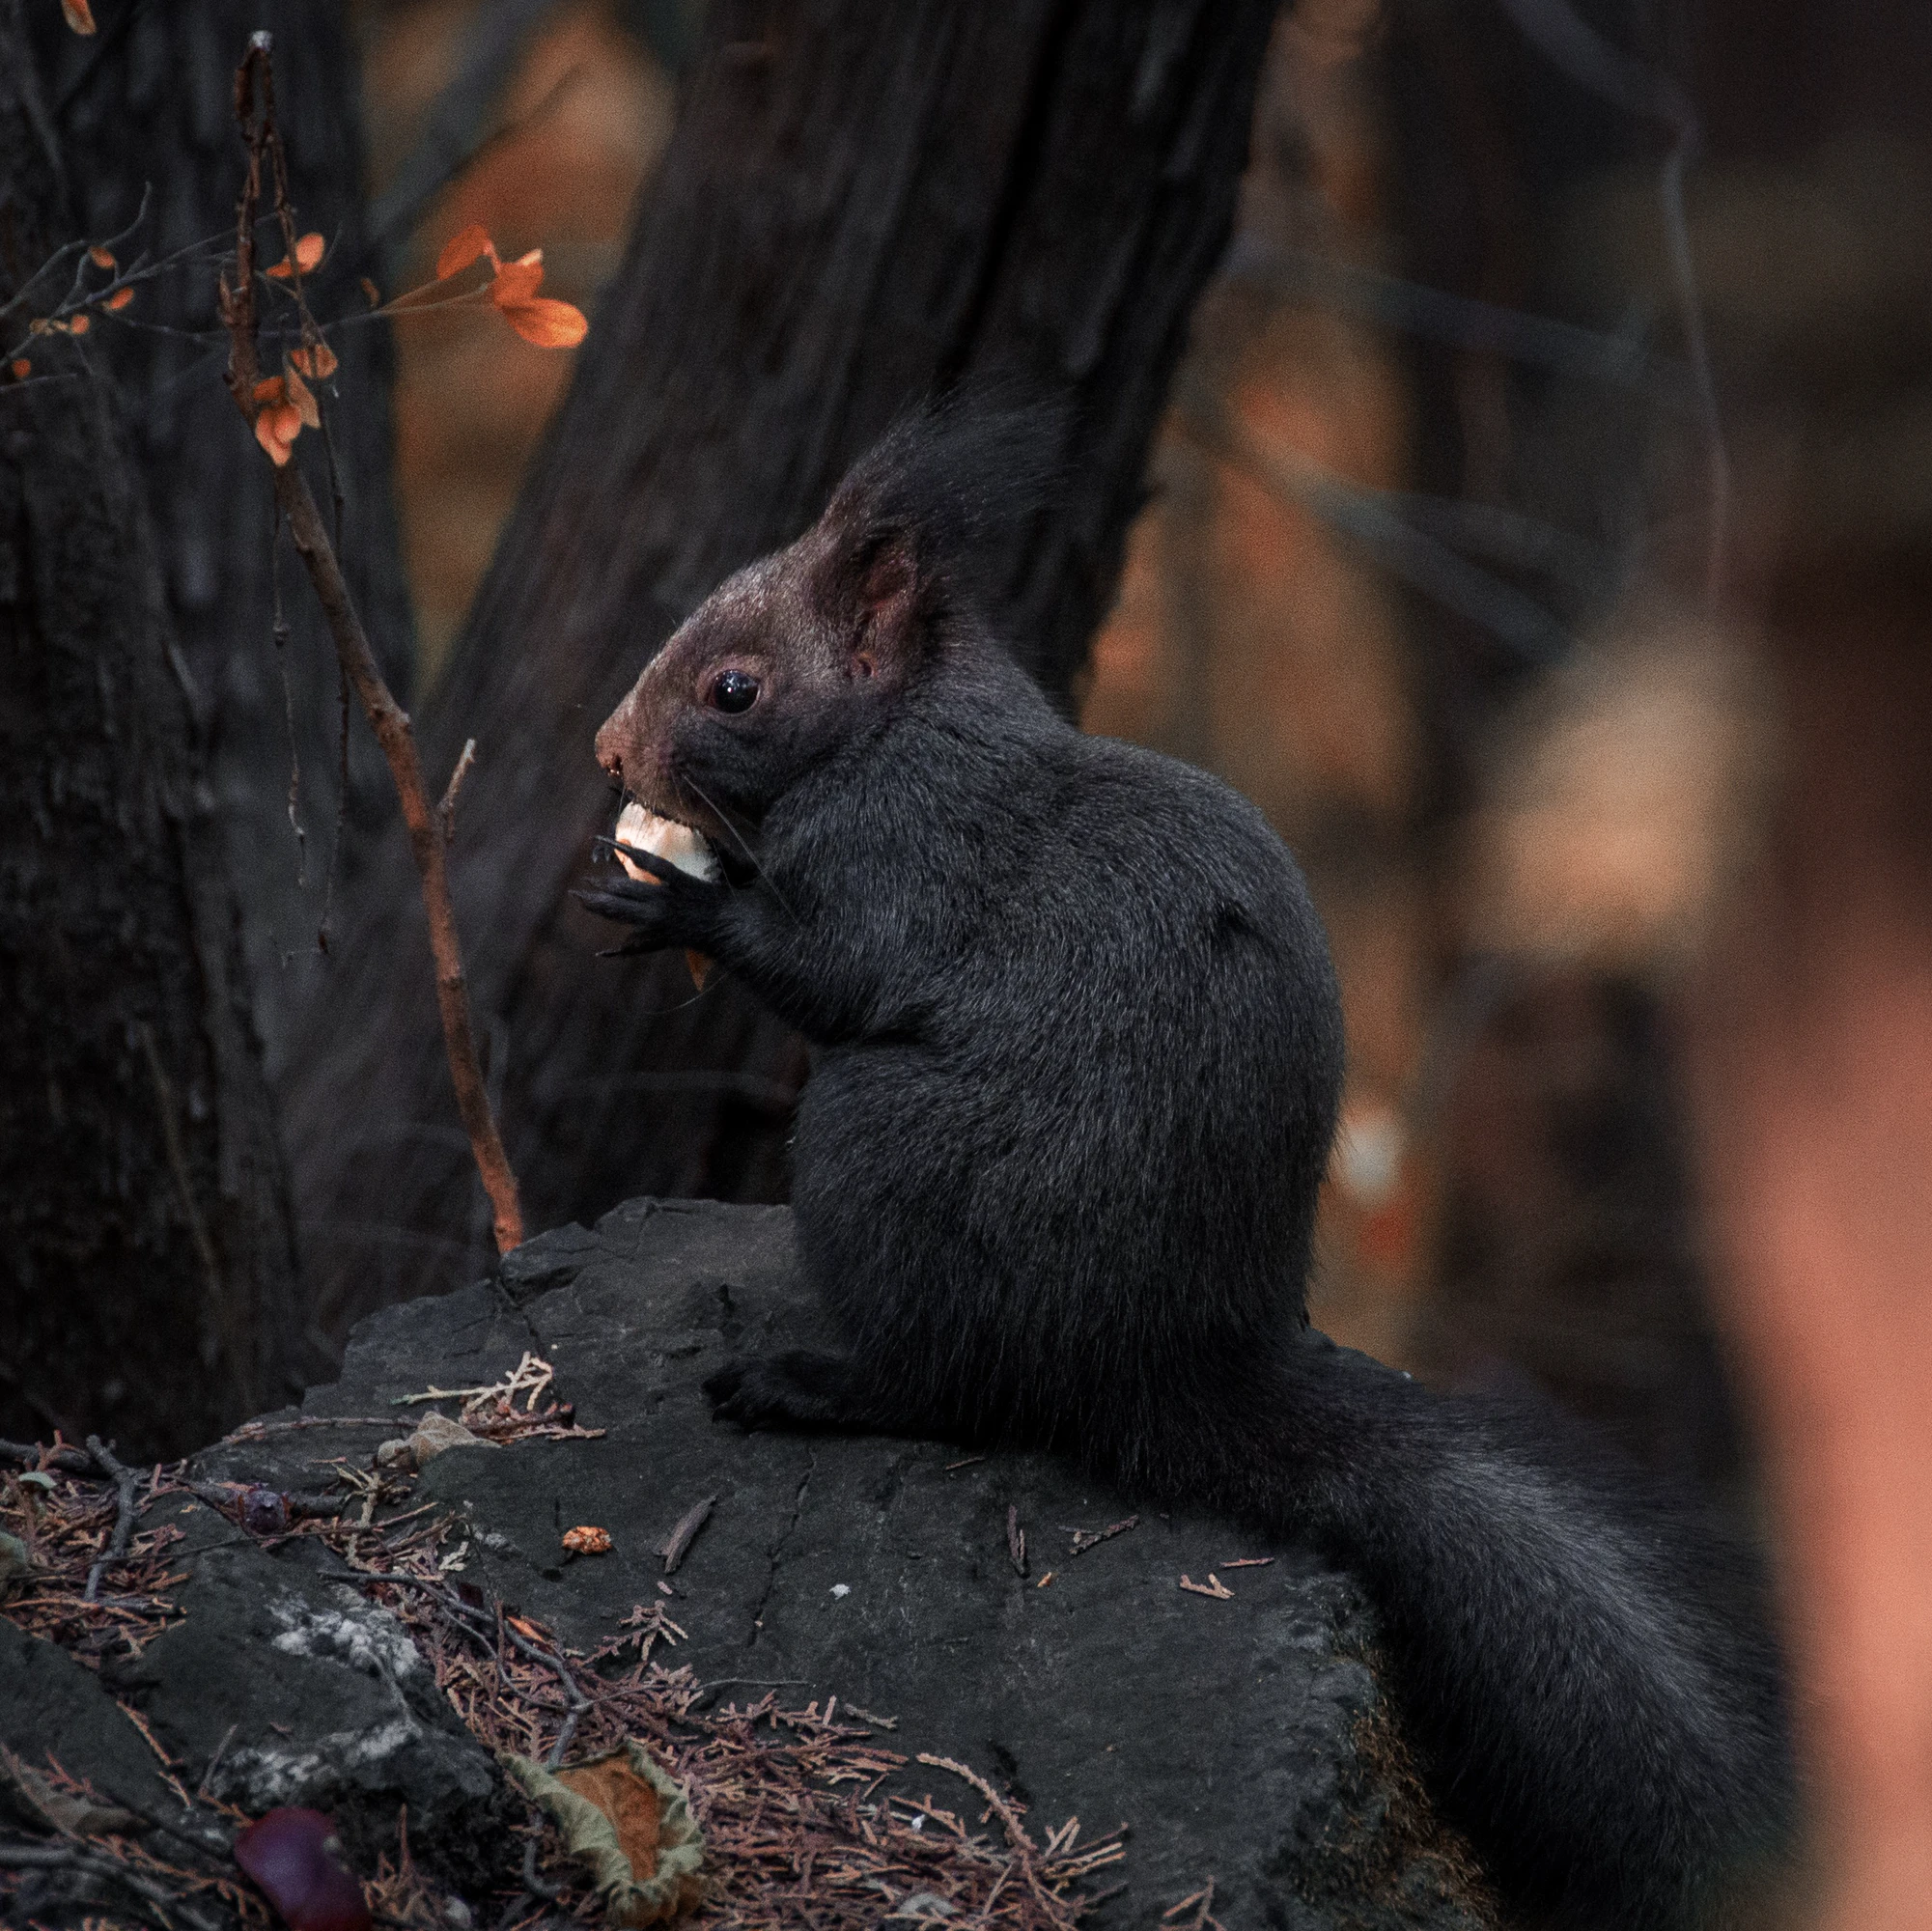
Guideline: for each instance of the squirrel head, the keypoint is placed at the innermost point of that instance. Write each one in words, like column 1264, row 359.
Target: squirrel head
column 800, row 653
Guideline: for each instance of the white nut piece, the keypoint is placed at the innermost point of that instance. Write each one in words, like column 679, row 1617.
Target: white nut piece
column 643, row 831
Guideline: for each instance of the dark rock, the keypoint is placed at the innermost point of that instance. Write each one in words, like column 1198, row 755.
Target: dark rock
column 281, row 1688
column 49, row 1702
column 1243, row 1739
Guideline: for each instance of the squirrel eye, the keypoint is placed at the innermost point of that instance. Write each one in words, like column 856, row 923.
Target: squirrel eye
column 733, row 692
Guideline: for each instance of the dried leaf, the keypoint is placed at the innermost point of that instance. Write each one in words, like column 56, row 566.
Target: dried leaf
column 79, row 16
column 547, row 323
column 269, row 390
column 515, row 282
column 629, row 1824
column 81, row 324
column 437, row 1432
column 462, row 248
column 587, row 1541
column 101, row 257
column 318, row 362
column 304, row 400
column 371, row 293
column 118, row 300
column 21, row 368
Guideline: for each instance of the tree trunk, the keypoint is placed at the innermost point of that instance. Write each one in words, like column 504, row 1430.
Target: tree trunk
column 861, row 201
column 147, row 105
column 150, row 1279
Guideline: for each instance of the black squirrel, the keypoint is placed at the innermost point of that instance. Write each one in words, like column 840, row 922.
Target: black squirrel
column 1079, row 1047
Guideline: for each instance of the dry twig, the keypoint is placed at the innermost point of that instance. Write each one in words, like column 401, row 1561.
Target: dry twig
column 125, row 1480
column 685, row 1533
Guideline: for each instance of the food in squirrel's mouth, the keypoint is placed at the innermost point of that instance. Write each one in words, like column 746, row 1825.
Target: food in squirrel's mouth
column 643, row 831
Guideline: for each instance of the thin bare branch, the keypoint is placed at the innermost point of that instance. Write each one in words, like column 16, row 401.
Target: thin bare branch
column 255, row 111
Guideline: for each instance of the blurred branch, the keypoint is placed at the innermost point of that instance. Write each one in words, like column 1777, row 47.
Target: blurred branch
column 1508, row 538
column 255, row 111
column 1300, row 274
column 1521, row 624
column 455, row 130
column 1564, row 39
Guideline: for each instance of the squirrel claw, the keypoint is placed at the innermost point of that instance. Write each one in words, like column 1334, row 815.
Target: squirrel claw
column 663, row 871
column 726, row 1393
column 681, row 912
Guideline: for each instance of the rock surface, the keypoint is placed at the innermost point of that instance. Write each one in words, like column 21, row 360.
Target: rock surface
column 1242, row 1738
column 312, row 1695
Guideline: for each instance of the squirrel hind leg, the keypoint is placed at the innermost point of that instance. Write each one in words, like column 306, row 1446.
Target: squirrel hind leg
column 806, row 1390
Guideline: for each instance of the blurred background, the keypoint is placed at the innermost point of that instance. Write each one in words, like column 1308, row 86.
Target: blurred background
column 1421, row 571
column 1505, row 455
column 1382, row 529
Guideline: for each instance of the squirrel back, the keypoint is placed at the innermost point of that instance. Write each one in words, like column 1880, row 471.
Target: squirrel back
column 1080, row 1051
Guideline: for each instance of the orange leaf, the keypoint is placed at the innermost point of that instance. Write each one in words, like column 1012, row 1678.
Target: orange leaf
column 318, row 362
column 81, row 324
column 101, row 257
column 269, row 390
column 307, row 256
column 527, row 260
column 548, row 324
column 79, row 16
column 303, row 397
column 21, row 368
column 265, row 434
column 371, row 293
column 462, row 248
column 119, row 299
column 515, row 282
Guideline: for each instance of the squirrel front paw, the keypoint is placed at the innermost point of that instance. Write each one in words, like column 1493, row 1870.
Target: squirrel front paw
column 670, row 906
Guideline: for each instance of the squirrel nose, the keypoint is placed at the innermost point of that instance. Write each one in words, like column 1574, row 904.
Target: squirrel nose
column 609, row 756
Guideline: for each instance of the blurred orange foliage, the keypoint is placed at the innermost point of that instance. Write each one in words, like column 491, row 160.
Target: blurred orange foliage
column 584, row 117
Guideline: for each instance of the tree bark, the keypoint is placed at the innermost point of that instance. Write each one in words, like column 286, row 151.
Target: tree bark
column 150, row 1277
column 145, row 105
column 860, row 202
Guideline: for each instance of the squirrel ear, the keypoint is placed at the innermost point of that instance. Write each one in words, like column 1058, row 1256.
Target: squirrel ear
column 886, row 594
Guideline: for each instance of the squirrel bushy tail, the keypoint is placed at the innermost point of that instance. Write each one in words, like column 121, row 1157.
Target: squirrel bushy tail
column 1580, row 1653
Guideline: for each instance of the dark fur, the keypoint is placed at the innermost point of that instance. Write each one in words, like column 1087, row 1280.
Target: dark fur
column 1080, row 1049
